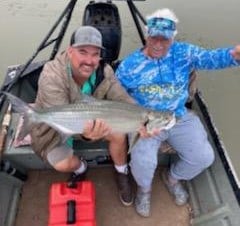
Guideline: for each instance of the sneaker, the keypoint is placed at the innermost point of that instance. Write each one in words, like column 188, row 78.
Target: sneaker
column 77, row 177
column 142, row 203
column 176, row 190
column 124, row 188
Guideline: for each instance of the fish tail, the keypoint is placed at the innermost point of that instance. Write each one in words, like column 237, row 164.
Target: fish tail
column 25, row 129
column 23, row 108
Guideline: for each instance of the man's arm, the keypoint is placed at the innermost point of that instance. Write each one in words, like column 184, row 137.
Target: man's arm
column 51, row 88
column 116, row 91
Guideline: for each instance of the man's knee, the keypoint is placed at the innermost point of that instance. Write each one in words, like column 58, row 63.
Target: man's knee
column 204, row 157
column 210, row 157
column 68, row 164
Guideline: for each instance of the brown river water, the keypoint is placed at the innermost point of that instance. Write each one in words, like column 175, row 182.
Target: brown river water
column 215, row 23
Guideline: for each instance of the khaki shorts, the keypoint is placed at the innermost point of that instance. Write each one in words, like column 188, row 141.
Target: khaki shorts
column 58, row 154
column 47, row 144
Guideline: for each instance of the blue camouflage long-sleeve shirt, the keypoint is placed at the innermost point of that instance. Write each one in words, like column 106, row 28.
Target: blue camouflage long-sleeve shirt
column 162, row 84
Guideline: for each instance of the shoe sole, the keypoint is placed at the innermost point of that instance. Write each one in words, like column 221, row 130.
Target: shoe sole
column 142, row 215
column 125, row 203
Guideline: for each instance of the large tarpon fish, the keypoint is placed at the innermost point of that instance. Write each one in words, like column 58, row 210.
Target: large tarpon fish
column 70, row 119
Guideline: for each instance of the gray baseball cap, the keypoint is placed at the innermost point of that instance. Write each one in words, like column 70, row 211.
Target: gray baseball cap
column 87, row 35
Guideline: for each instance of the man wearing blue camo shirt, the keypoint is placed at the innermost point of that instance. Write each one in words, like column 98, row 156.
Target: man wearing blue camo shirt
column 157, row 77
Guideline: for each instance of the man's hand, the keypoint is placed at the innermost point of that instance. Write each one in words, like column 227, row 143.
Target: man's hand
column 96, row 129
column 145, row 134
column 236, row 52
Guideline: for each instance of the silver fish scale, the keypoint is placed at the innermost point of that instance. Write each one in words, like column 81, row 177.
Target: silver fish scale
column 71, row 119
column 101, row 105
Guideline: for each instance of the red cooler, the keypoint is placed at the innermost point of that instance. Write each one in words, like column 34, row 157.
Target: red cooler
column 72, row 205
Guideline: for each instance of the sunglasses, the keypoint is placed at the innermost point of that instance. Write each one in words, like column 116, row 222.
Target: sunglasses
column 161, row 24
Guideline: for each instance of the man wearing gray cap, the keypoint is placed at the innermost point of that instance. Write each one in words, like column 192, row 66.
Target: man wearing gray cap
column 72, row 72
column 157, row 76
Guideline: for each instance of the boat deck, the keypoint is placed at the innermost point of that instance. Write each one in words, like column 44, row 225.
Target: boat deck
column 33, row 207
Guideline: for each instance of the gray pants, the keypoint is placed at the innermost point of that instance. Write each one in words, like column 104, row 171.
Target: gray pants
column 188, row 137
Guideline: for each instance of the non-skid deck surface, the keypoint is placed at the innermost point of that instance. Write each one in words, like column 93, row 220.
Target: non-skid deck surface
column 33, row 208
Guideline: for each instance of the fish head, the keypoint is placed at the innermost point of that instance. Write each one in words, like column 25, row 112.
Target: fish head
column 160, row 121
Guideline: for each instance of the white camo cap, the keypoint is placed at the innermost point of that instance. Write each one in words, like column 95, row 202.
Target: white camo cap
column 87, row 35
